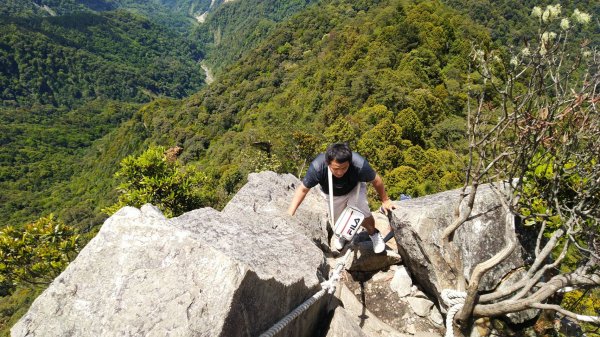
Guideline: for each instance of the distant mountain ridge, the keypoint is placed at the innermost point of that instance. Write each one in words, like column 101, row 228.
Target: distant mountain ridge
column 62, row 7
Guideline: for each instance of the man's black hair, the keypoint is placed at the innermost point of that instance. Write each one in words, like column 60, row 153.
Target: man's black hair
column 340, row 152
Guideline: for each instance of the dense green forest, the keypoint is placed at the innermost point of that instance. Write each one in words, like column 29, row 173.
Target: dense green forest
column 385, row 76
column 177, row 15
column 238, row 27
column 78, row 66
column 43, row 148
column 379, row 96
column 85, row 84
column 78, row 57
column 68, row 81
column 396, row 68
column 62, row 7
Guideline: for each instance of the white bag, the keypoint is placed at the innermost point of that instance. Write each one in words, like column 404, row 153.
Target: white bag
column 349, row 221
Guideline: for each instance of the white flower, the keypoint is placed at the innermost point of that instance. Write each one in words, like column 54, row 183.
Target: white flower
column 564, row 24
column 581, row 17
column 537, row 12
column 545, row 15
column 514, row 61
column 587, row 54
column 543, row 50
column 551, row 12
column 525, row 52
column 548, row 36
column 554, row 10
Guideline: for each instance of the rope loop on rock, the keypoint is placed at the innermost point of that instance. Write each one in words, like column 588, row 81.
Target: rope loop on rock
column 454, row 300
column 327, row 286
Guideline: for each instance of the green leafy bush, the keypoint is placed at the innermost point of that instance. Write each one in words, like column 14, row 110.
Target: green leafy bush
column 166, row 183
column 36, row 253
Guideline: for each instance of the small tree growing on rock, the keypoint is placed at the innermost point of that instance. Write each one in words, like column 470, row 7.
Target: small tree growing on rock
column 534, row 135
column 157, row 177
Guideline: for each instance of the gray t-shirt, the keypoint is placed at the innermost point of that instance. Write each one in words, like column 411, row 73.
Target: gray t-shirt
column 359, row 171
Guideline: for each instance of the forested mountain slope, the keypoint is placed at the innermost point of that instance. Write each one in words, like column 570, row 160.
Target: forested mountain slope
column 234, row 28
column 387, row 76
column 66, row 81
column 73, row 58
column 43, row 147
column 28, row 8
column 54, row 66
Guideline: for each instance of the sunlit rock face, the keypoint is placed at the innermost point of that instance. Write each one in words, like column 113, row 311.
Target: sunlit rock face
column 204, row 273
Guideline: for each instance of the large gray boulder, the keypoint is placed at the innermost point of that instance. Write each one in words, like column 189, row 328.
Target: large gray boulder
column 368, row 322
column 419, row 224
column 205, row 273
column 343, row 325
column 269, row 194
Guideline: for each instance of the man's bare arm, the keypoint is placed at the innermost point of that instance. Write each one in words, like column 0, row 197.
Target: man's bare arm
column 301, row 192
column 380, row 188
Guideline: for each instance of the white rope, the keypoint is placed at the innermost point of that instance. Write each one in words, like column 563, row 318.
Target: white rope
column 454, row 301
column 327, row 286
column 335, row 276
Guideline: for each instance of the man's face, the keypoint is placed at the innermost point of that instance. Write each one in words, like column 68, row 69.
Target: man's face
column 338, row 169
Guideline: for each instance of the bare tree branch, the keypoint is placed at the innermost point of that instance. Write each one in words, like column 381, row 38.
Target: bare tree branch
column 535, row 126
column 539, row 237
column 540, row 273
column 450, row 252
column 479, row 270
column 558, row 308
column 575, row 279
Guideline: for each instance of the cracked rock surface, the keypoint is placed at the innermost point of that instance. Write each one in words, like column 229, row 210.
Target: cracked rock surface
column 204, row 273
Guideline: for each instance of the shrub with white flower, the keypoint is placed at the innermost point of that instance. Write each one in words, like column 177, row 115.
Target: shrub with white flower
column 548, row 36
column 581, row 17
column 551, row 12
column 535, row 122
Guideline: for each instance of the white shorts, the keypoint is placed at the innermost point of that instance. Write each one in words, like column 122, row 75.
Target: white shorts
column 340, row 202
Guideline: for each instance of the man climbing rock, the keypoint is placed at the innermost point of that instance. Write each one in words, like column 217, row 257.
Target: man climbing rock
column 350, row 171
